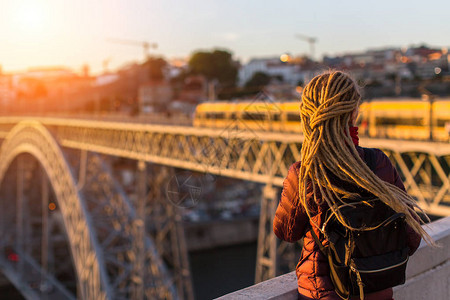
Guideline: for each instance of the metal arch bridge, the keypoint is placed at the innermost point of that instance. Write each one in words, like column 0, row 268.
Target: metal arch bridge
column 131, row 245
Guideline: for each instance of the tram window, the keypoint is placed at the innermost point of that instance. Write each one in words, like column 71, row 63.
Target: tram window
column 441, row 122
column 233, row 116
column 275, row 117
column 293, row 117
column 215, row 115
column 398, row 121
column 254, row 116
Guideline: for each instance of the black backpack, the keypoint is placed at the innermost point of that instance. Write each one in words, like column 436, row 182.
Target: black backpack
column 367, row 260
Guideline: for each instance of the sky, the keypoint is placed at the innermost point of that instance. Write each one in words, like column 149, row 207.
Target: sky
column 35, row 33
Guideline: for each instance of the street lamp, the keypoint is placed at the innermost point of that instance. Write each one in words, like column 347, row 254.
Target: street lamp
column 430, row 99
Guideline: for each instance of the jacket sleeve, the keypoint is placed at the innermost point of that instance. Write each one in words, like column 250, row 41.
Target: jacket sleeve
column 386, row 171
column 290, row 220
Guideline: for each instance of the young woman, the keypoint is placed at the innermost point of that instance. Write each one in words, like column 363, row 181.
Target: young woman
column 332, row 166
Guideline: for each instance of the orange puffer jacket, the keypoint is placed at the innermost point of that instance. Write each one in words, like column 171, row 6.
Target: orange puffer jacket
column 291, row 223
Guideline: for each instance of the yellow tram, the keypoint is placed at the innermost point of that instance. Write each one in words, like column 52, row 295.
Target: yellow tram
column 384, row 118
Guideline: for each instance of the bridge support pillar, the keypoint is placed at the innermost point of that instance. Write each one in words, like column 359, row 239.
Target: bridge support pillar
column 45, row 229
column 20, row 209
column 165, row 220
column 266, row 260
column 139, row 223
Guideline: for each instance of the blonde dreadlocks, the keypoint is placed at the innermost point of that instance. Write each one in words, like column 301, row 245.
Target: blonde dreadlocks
column 328, row 102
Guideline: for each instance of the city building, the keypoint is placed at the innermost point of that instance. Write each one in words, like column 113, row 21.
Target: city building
column 274, row 67
column 154, row 96
column 7, row 91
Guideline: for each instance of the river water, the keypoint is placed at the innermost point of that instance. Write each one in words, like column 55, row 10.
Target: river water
column 215, row 272
column 223, row 270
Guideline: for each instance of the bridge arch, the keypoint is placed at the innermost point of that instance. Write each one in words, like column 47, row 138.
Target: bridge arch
column 33, row 138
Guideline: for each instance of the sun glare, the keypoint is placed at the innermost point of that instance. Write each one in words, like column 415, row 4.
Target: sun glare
column 30, row 17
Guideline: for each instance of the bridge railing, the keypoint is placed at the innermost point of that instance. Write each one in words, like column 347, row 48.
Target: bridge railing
column 250, row 155
column 427, row 274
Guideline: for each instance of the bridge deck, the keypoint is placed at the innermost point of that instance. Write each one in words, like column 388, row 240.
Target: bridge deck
column 245, row 154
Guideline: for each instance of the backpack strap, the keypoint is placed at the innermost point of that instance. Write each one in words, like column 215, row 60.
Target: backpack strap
column 370, row 158
column 316, row 239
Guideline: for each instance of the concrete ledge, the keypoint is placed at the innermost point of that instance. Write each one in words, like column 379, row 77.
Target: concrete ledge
column 281, row 287
column 433, row 284
column 428, row 270
column 426, row 257
column 428, row 274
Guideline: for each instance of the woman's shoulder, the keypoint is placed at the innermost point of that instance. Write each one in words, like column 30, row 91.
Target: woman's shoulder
column 292, row 176
column 383, row 166
column 381, row 160
column 295, row 167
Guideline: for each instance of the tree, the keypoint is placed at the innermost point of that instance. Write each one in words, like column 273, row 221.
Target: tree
column 155, row 67
column 217, row 64
column 259, row 79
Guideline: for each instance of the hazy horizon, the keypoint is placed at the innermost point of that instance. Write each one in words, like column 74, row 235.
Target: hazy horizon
column 71, row 34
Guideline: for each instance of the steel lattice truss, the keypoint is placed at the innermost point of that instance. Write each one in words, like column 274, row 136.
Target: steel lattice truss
column 122, row 239
column 113, row 256
column 165, row 226
column 246, row 154
column 33, row 138
column 251, row 155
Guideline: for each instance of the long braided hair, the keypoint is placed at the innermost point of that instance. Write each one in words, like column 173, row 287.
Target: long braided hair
column 328, row 102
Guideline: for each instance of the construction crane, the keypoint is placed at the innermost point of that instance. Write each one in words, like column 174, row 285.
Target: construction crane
column 105, row 64
column 310, row 40
column 145, row 45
